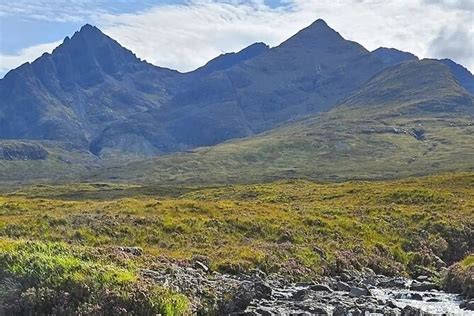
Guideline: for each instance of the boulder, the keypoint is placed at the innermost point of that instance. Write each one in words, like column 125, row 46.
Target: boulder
column 468, row 305
column 342, row 286
column 411, row 311
column 398, row 283
column 262, row 290
column 422, row 278
column 320, row 287
column 423, row 286
column 359, row 291
column 301, row 295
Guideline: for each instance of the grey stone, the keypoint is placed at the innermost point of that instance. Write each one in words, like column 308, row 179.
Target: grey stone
column 320, row 287
column 342, row 286
column 359, row 291
column 468, row 305
column 423, row 286
column 201, row 266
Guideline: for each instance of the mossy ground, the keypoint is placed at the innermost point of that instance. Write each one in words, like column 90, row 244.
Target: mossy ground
column 271, row 226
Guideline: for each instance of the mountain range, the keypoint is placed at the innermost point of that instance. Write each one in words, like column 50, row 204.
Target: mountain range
column 317, row 105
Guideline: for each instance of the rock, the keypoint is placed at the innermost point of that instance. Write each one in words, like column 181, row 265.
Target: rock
column 304, row 284
column 135, row 251
column 262, row 290
column 439, row 263
column 355, row 312
column 398, row 283
column 409, row 296
column 200, row 265
column 416, row 297
column 320, row 287
column 411, row 311
column 265, row 311
column 391, row 304
column 423, row 286
column 342, row 286
column 422, row 278
column 468, row 305
column 359, row 291
column 346, row 277
column 368, row 271
column 239, row 300
column 317, row 310
column 259, row 274
column 339, row 311
column 301, row 295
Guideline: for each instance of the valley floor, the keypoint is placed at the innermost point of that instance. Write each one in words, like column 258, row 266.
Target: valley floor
column 99, row 248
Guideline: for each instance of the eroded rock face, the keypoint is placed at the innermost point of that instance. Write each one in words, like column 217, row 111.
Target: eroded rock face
column 22, row 151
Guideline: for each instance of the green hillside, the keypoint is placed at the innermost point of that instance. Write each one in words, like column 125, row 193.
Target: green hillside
column 411, row 119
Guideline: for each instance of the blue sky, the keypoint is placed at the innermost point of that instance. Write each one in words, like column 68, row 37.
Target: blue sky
column 184, row 34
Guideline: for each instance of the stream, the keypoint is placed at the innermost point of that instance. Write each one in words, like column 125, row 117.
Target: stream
column 433, row 303
column 351, row 293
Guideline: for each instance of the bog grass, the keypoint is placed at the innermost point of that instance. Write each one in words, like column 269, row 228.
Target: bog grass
column 297, row 227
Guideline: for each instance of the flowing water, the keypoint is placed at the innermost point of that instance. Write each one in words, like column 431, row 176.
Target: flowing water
column 433, row 303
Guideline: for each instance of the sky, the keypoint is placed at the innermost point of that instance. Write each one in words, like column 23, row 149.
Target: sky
column 185, row 34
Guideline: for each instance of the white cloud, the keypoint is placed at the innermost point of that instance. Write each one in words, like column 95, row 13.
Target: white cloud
column 184, row 37
column 29, row 54
column 52, row 10
column 457, row 43
column 467, row 5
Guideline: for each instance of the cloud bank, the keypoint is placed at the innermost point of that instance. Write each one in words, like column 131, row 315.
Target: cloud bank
column 185, row 36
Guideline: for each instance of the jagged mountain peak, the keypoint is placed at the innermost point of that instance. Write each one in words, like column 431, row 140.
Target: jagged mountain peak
column 319, row 36
column 90, row 38
column 89, row 28
column 320, row 23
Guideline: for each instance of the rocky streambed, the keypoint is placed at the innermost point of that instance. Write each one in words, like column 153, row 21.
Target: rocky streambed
column 351, row 293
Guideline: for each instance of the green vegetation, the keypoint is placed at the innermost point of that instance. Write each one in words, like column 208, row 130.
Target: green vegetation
column 300, row 228
column 44, row 277
column 460, row 277
column 61, row 247
column 330, row 147
column 53, row 277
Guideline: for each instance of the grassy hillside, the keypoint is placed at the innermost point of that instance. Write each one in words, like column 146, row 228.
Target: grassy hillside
column 412, row 119
column 319, row 148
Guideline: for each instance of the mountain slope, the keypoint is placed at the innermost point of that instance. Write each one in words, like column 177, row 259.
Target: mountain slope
column 308, row 73
column 392, row 56
column 464, row 76
column 79, row 109
column 85, row 83
column 368, row 135
column 96, row 94
column 226, row 61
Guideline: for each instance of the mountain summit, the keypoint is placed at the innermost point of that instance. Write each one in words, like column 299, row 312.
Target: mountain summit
column 72, row 93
